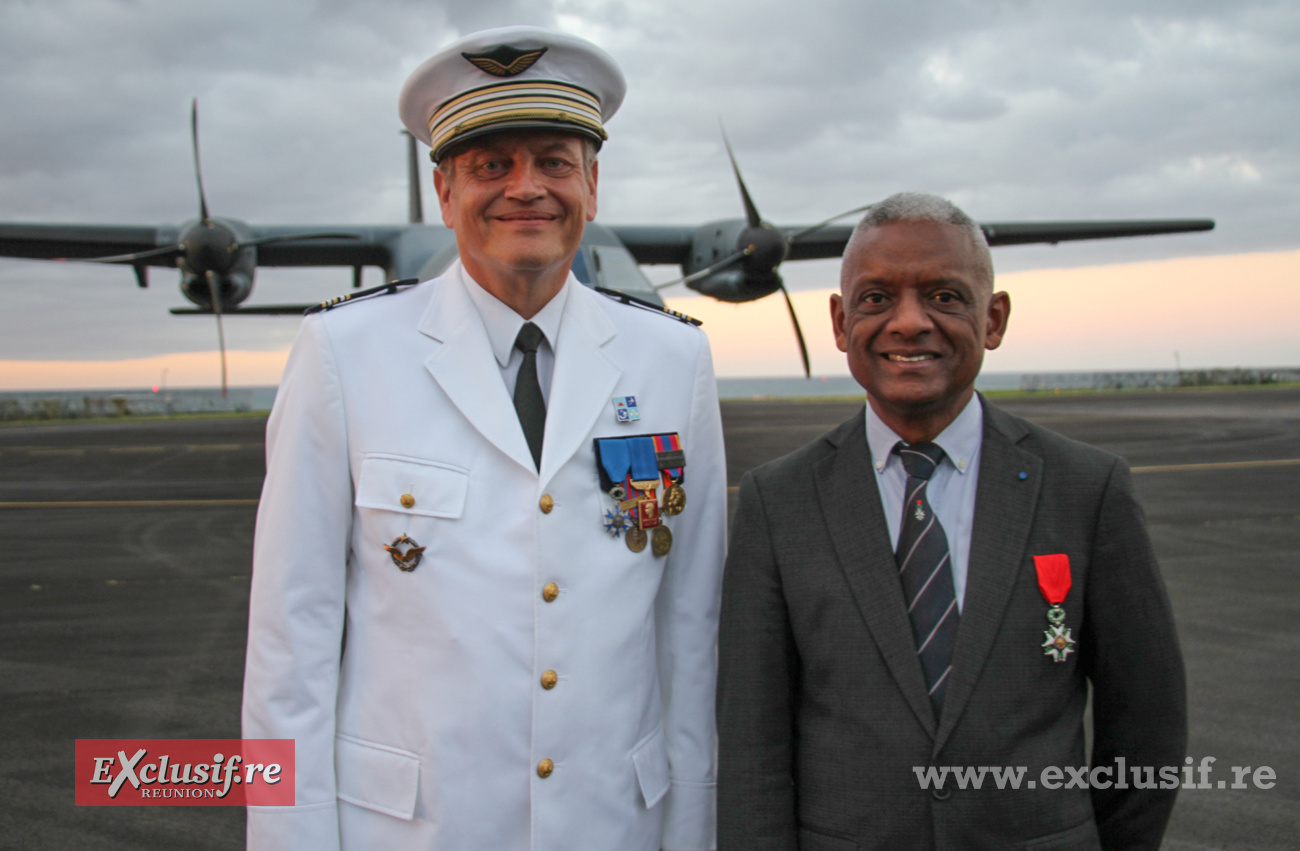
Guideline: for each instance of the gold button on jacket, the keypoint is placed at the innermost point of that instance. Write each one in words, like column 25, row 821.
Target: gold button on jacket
column 550, row 592
column 544, row 768
column 408, row 501
column 549, row 679
column 547, row 503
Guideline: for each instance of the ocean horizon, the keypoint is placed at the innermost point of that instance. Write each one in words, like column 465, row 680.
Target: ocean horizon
column 91, row 403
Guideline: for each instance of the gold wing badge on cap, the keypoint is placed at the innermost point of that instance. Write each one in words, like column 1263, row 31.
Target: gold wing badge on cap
column 504, row 60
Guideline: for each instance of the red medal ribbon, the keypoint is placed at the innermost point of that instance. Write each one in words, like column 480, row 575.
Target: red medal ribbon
column 665, row 442
column 1053, row 577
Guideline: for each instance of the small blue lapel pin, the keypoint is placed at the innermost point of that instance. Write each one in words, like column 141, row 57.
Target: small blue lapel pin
column 625, row 410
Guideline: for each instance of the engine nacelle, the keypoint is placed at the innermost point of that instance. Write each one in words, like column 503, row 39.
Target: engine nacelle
column 234, row 287
column 749, row 278
column 209, row 260
column 735, row 285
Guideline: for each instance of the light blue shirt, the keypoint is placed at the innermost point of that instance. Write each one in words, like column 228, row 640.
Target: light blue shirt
column 503, row 324
column 952, row 487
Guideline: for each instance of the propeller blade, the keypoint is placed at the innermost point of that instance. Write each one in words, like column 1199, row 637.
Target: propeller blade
column 198, row 172
column 214, row 287
column 794, row 236
column 236, row 247
column 708, row 270
column 798, row 332
column 751, row 212
column 174, row 250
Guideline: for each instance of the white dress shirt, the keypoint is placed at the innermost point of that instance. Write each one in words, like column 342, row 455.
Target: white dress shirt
column 952, row 487
column 503, row 325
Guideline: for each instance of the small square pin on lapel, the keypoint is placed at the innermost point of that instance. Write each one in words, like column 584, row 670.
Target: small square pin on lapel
column 625, row 410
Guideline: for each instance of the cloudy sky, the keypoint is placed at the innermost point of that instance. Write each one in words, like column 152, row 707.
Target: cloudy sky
column 1017, row 110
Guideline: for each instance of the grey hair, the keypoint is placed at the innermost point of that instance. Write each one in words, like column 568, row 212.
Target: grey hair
column 923, row 207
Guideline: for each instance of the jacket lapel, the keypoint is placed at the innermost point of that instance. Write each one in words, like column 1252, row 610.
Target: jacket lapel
column 583, row 381
column 467, row 371
column 850, row 501
column 1004, row 514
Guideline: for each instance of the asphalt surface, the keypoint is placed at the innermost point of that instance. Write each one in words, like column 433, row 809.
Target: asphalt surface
column 124, row 562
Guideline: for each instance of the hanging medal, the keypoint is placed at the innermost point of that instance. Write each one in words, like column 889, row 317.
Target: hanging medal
column 671, row 461
column 1054, row 581
column 644, row 479
column 613, row 462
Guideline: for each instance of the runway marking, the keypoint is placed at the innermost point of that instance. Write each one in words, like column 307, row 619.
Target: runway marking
column 132, row 503
column 130, row 450
column 1223, row 465
column 1175, row 468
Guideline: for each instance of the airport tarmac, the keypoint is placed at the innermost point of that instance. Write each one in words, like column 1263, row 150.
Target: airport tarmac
column 124, row 563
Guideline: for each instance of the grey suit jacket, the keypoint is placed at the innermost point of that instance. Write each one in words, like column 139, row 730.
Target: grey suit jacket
column 824, row 723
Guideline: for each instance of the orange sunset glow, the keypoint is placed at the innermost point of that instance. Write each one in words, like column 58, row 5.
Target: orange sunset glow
column 1239, row 310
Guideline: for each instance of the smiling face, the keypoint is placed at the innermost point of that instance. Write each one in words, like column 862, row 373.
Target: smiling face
column 518, row 202
column 915, row 313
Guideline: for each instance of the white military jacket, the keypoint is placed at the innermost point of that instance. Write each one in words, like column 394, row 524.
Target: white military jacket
column 419, row 699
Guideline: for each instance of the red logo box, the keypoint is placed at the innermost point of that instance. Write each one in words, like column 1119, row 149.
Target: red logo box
column 184, row 772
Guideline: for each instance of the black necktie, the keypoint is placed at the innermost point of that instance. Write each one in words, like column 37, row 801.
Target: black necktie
column 529, row 404
column 924, row 565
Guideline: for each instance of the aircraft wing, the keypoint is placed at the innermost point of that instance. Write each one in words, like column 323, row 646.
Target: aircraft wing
column 79, row 242
column 653, row 245
column 372, row 246
column 657, row 244
column 1023, row 233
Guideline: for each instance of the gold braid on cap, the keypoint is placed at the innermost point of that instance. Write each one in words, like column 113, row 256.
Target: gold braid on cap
column 516, row 102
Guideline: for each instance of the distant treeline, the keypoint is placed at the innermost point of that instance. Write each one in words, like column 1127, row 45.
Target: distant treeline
column 68, row 404
column 1157, row 379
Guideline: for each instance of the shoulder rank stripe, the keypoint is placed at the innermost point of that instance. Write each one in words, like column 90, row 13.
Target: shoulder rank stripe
column 648, row 305
column 383, row 289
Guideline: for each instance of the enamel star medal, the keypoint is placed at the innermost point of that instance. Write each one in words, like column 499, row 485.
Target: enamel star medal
column 613, row 463
column 1054, row 582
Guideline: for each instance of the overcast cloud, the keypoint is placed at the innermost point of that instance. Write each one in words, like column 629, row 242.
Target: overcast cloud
column 1014, row 109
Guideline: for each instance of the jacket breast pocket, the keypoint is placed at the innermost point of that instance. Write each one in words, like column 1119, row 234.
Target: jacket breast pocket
column 377, row 777
column 412, row 486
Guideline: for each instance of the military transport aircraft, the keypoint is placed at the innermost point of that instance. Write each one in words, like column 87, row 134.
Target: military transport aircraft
column 732, row 260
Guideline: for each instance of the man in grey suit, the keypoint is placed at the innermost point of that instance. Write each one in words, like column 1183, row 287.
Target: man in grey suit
column 916, row 603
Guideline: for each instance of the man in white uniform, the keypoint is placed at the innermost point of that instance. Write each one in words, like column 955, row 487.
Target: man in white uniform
column 490, row 542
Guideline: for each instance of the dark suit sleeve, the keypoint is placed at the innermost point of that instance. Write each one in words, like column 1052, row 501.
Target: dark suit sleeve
column 1131, row 654
column 757, row 670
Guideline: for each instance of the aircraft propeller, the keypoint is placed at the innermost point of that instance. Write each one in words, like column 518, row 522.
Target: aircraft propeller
column 760, row 249
column 217, row 256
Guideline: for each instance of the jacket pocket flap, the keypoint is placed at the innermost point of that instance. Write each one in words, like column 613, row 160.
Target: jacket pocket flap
column 376, row 777
column 651, row 760
column 412, row 486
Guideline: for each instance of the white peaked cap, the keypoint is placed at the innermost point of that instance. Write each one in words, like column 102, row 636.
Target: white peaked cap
column 511, row 78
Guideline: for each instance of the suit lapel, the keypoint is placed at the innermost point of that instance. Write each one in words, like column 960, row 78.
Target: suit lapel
column 850, row 501
column 466, row 369
column 1004, row 514
column 583, row 381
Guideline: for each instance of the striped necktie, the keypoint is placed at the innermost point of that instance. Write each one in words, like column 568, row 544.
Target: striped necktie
column 924, row 566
